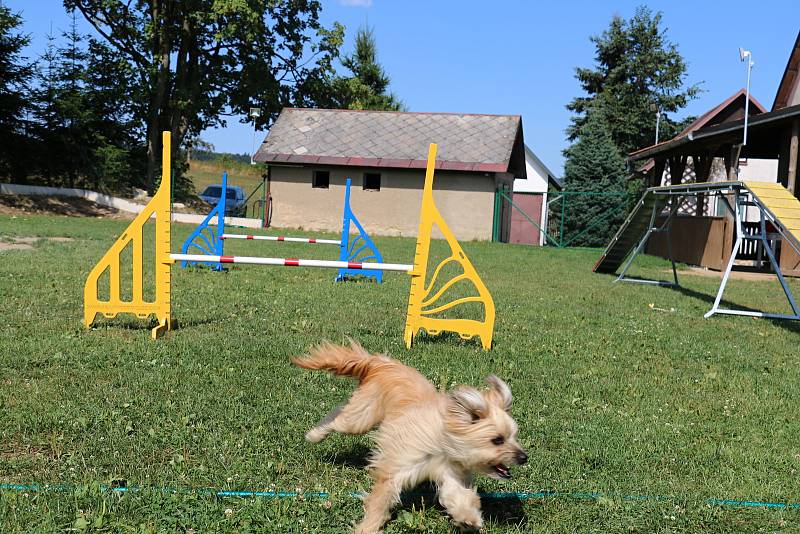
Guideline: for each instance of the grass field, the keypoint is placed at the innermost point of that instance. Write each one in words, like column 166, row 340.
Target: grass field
column 611, row 395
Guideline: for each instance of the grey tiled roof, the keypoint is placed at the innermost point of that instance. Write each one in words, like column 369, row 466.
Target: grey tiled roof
column 481, row 143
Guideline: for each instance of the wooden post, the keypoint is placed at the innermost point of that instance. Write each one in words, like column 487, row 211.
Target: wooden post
column 702, row 170
column 793, row 146
column 732, row 162
column 658, row 172
column 677, row 166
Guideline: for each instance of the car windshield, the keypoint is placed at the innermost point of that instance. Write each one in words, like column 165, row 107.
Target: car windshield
column 231, row 194
column 213, row 191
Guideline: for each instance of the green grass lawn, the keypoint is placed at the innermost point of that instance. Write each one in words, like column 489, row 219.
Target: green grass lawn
column 612, row 396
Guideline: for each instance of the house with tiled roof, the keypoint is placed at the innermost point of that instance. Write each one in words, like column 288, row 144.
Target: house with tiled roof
column 310, row 153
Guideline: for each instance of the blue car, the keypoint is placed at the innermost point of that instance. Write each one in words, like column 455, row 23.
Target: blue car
column 234, row 198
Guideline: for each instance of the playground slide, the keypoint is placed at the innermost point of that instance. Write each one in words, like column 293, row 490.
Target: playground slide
column 779, row 204
column 629, row 234
column 782, row 205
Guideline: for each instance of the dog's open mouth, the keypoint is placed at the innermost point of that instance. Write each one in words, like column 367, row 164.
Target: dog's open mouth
column 502, row 470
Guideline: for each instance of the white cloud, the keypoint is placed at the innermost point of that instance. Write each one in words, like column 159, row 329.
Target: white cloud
column 356, row 3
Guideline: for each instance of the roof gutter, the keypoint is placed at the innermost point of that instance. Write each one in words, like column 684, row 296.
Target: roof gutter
column 720, row 129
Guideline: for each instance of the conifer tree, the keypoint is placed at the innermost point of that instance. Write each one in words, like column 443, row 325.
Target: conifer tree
column 594, row 164
column 15, row 77
column 368, row 87
column 637, row 69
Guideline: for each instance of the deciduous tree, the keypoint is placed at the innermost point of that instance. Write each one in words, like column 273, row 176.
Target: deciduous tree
column 198, row 60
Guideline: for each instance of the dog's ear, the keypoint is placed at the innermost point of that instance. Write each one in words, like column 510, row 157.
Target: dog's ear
column 499, row 393
column 467, row 404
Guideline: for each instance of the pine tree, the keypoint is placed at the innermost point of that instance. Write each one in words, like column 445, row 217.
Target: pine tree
column 368, row 86
column 594, row 164
column 119, row 157
column 15, row 77
column 84, row 116
column 638, row 69
column 47, row 120
column 62, row 112
column 75, row 136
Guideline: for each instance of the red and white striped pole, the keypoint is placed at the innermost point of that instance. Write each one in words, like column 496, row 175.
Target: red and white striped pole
column 282, row 238
column 294, row 262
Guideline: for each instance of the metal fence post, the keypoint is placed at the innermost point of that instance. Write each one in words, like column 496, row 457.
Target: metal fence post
column 495, row 215
column 561, row 231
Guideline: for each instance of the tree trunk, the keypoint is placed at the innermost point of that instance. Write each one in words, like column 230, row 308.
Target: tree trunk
column 186, row 85
column 159, row 99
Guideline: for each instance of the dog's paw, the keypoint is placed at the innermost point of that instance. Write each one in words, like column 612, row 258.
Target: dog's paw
column 316, row 434
column 364, row 529
column 470, row 524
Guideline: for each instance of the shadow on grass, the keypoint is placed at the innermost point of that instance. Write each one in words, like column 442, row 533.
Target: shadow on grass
column 791, row 326
column 356, row 457
column 501, row 510
column 447, row 338
column 127, row 323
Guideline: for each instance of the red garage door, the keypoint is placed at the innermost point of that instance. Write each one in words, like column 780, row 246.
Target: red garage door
column 522, row 231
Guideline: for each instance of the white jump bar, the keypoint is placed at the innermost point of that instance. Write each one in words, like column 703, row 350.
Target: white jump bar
column 282, row 238
column 293, row 262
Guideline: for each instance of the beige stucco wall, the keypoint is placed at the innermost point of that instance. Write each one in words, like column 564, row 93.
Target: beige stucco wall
column 466, row 201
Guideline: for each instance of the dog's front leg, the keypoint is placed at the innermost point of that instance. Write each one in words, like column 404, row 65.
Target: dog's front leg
column 377, row 505
column 462, row 502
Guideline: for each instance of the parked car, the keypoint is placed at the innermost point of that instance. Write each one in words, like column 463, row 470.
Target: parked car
column 234, row 198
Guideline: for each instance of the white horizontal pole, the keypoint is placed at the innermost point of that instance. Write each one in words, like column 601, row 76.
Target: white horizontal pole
column 282, row 238
column 292, row 262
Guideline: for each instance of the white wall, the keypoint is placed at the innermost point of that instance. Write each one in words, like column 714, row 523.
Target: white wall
column 537, row 177
column 759, row 170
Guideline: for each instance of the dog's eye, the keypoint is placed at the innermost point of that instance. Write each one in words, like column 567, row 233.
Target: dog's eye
column 499, row 440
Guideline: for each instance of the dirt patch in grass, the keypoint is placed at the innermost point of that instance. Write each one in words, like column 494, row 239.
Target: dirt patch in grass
column 17, row 451
column 55, row 205
column 26, row 243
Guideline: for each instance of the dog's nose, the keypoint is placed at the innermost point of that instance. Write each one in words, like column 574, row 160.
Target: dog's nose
column 522, row 457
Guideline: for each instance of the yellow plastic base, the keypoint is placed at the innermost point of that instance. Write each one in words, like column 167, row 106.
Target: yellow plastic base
column 138, row 306
column 421, row 304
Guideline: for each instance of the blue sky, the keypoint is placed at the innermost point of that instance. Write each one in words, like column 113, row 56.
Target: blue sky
column 519, row 57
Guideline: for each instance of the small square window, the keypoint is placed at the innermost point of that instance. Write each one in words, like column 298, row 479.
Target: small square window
column 372, row 181
column 321, row 179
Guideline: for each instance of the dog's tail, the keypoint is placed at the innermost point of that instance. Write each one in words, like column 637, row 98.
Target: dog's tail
column 352, row 361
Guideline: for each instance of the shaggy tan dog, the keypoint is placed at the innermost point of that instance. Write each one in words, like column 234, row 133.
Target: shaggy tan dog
column 424, row 435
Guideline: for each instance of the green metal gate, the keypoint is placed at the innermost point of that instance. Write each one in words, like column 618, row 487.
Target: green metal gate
column 558, row 212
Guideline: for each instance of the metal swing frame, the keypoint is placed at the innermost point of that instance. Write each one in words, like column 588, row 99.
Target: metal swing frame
column 742, row 199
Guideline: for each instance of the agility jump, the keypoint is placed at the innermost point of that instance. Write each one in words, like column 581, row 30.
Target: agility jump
column 423, row 302
column 210, row 241
column 779, row 216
